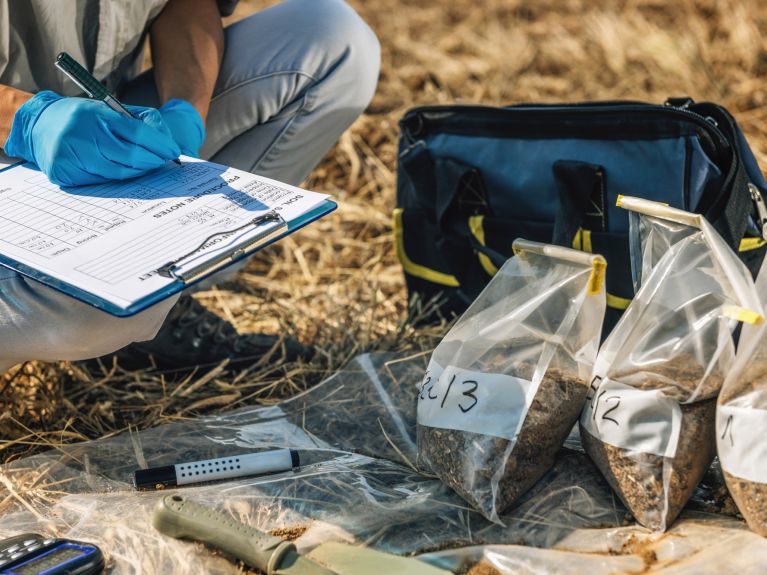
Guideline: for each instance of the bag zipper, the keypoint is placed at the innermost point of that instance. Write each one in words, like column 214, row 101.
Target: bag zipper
column 709, row 127
column 761, row 208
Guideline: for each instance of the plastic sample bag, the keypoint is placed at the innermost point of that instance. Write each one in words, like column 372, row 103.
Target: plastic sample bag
column 650, row 416
column 741, row 423
column 506, row 385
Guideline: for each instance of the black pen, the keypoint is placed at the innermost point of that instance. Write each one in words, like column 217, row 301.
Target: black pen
column 91, row 86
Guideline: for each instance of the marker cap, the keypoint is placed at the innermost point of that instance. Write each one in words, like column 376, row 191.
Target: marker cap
column 155, row 477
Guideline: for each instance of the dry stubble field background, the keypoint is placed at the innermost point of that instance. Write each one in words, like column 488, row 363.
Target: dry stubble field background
column 337, row 284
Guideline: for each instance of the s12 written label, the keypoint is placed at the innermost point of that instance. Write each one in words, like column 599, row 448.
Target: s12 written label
column 487, row 403
column 639, row 420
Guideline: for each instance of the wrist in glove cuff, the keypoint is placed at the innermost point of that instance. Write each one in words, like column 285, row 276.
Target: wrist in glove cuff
column 19, row 142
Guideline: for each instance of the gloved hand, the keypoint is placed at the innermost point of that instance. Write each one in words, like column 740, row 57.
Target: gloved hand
column 185, row 124
column 76, row 141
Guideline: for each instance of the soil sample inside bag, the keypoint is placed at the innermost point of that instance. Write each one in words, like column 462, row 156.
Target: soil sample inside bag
column 751, row 499
column 492, row 473
column 656, row 488
column 676, row 378
column 739, row 432
column 506, row 385
column 650, row 417
column 483, row 568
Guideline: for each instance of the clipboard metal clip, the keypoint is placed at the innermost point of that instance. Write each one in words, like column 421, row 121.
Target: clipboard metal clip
column 172, row 268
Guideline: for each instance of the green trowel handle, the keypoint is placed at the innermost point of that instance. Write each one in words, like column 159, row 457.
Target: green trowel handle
column 180, row 518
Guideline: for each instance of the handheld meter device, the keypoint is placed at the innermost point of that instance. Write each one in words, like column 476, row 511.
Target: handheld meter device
column 32, row 554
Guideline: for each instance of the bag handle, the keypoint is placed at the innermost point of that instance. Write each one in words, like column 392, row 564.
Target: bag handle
column 729, row 212
column 581, row 187
column 441, row 179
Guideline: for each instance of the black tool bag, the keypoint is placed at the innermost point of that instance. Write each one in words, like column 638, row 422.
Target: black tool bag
column 472, row 179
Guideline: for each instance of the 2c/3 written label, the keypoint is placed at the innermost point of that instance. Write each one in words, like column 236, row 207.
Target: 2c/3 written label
column 464, row 400
column 468, row 388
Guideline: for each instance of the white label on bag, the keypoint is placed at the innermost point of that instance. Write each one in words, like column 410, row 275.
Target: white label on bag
column 487, row 403
column 634, row 419
column 740, row 438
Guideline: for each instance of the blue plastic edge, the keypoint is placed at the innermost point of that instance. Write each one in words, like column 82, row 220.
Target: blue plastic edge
column 8, row 167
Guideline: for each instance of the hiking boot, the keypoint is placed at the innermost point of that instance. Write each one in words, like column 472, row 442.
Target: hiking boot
column 193, row 336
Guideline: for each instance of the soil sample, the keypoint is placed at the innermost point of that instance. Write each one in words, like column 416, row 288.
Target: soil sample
column 750, row 496
column 679, row 379
column 655, row 488
column 751, row 499
column 483, row 568
column 289, row 533
column 492, row 473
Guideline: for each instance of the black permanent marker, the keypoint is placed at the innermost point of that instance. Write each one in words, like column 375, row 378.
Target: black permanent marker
column 232, row 467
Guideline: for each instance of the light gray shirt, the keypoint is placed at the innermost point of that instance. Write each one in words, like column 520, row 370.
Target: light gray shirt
column 106, row 36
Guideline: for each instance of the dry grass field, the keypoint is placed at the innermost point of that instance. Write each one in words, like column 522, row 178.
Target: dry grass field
column 337, row 284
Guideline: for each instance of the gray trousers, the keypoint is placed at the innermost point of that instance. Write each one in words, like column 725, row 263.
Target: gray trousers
column 293, row 78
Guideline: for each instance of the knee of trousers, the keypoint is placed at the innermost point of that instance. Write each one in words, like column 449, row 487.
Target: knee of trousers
column 349, row 44
column 37, row 322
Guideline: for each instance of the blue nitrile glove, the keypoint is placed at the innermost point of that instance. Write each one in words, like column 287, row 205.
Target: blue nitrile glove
column 76, row 141
column 185, row 124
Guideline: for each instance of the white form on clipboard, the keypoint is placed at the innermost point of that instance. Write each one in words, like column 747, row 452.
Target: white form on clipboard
column 119, row 244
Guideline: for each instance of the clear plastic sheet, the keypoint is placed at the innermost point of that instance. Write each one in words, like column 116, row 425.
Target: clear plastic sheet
column 356, row 430
column 649, row 423
column 507, row 383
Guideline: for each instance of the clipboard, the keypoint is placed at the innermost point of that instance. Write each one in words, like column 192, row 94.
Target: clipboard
column 161, row 233
column 189, row 277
